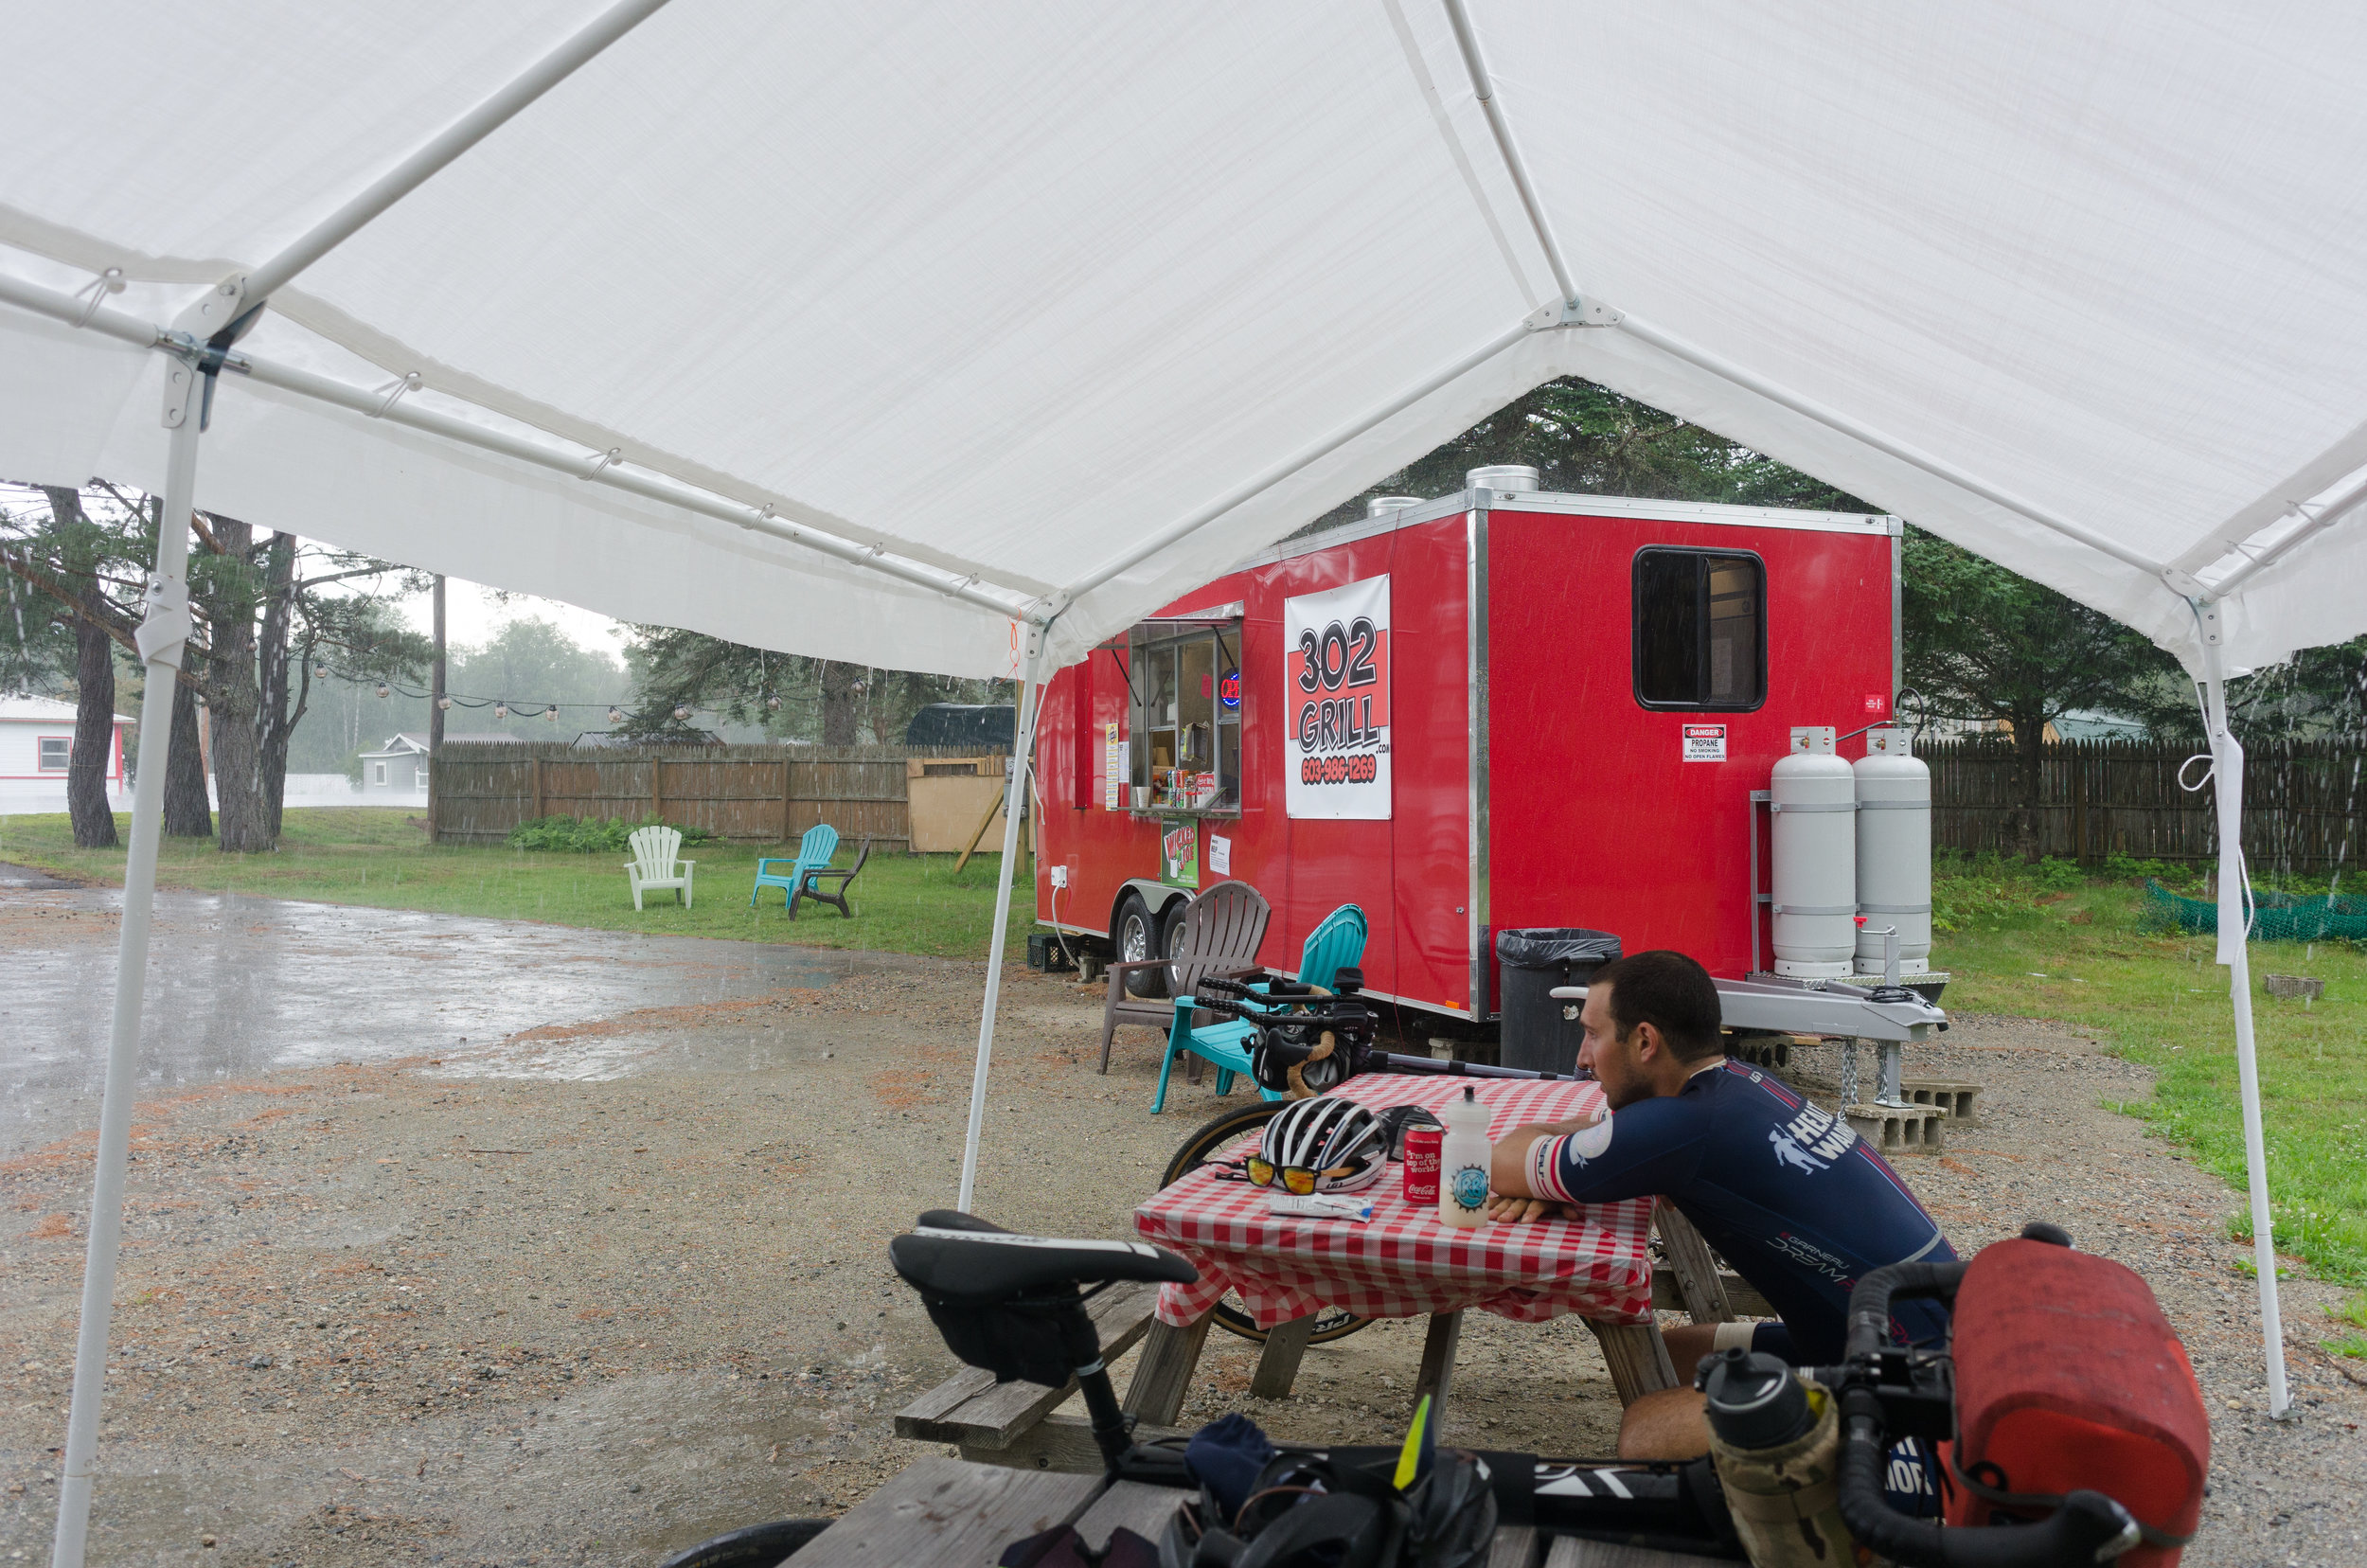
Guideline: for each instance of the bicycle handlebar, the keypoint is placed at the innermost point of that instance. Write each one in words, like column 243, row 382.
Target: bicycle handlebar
column 2088, row 1527
column 1349, row 1015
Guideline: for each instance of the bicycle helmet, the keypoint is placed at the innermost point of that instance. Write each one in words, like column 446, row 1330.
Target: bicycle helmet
column 1342, row 1142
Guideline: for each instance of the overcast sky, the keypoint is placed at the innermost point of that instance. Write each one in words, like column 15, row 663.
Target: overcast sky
column 472, row 614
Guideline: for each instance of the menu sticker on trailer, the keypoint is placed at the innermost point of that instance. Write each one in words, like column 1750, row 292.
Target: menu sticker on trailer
column 1705, row 743
column 1112, row 767
column 1336, row 667
column 1179, row 852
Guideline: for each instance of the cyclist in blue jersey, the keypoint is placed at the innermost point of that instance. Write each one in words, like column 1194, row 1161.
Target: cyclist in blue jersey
column 1789, row 1195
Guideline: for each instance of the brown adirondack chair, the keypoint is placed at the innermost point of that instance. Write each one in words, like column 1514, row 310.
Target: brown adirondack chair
column 1222, row 930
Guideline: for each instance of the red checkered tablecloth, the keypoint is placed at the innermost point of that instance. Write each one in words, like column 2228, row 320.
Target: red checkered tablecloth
column 1404, row 1262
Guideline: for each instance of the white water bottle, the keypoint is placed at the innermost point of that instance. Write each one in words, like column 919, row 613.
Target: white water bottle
column 1462, row 1155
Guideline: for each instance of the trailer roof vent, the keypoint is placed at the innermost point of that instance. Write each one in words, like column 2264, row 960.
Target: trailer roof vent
column 1501, row 477
column 1381, row 505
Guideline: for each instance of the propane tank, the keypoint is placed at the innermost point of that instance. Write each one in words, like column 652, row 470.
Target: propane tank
column 1814, row 849
column 1776, row 1438
column 1894, row 852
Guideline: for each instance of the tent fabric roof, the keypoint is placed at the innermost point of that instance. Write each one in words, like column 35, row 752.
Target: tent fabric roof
column 1005, row 292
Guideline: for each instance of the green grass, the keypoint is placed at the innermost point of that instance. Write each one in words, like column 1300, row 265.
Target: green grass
column 2047, row 942
column 903, row 903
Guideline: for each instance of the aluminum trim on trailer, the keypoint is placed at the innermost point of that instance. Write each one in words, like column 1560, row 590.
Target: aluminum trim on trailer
column 1596, row 505
column 1899, row 618
column 1475, row 744
column 1705, row 511
column 1348, row 533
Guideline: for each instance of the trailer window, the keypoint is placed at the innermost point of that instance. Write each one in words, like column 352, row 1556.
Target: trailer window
column 1184, row 739
column 1701, row 629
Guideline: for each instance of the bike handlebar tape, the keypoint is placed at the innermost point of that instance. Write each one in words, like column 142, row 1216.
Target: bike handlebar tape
column 2089, row 1528
column 1870, row 1302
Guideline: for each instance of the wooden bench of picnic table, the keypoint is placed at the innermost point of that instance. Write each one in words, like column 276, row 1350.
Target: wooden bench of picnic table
column 951, row 1513
column 1014, row 1424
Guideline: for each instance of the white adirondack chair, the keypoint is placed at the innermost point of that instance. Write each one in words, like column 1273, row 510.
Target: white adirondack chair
column 654, row 863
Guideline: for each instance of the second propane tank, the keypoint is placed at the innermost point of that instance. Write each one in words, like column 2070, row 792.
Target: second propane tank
column 1814, row 850
column 1894, row 852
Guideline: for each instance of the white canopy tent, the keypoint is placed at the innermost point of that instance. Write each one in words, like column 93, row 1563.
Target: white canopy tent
column 955, row 338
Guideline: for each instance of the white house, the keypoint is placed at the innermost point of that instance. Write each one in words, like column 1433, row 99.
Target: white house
column 36, row 738
column 396, row 773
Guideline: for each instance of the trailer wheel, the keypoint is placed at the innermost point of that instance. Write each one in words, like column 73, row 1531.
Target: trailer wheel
column 1136, row 939
column 1171, row 942
column 1205, row 1144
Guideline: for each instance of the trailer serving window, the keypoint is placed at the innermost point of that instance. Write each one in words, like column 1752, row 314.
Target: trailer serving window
column 1184, row 735
column 1701, row 629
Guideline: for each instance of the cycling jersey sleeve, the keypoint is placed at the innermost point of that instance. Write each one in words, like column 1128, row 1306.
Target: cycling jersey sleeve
column 1651, row 1147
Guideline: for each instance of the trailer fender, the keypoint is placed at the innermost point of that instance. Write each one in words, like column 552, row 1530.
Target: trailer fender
column 1156, row 897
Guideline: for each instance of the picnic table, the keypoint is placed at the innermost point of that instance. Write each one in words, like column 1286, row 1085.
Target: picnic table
column 1404, row 1262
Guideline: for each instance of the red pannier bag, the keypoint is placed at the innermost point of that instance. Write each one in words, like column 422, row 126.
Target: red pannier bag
column 2068, row 1377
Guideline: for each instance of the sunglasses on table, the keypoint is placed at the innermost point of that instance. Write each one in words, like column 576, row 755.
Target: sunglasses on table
column 1259, row 1171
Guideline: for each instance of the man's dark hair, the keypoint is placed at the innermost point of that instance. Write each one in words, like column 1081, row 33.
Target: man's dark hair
column 1670, row 993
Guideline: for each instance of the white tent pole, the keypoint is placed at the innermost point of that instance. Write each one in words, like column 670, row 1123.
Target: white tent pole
column 1832, row 418
column 2313, row 525
column 262, row 281
column 1283, row 469
column 2227, row 772
column 1014, row 801
column 617, row 475
column 1467, row 41
column 162, row 633
column 621, row 476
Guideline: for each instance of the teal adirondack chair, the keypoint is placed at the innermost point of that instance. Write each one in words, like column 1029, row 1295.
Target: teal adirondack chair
column 1336, row 943
column 813, row 854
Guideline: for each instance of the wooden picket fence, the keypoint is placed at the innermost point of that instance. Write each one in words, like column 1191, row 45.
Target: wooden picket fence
column 765, row 794
column 2304, row 804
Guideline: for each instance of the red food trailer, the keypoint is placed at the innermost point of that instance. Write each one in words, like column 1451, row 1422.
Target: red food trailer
column 1501, row 708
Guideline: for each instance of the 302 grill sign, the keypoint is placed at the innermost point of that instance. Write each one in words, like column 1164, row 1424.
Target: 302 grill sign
column 1339, row 700
column 1339, row 657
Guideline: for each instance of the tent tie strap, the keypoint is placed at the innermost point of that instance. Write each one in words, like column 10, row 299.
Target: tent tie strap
column 108, row 282
column 395, row 389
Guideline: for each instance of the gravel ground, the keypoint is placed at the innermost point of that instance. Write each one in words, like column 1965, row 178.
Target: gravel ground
column 604, row 1288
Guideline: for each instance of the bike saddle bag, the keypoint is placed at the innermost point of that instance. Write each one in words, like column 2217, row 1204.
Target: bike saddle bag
column 2069, row 1377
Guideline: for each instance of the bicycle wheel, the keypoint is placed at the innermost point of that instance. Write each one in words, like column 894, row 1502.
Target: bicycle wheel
column 1331, row 1322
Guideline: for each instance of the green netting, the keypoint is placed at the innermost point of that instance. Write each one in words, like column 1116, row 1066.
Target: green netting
column 2278, row 918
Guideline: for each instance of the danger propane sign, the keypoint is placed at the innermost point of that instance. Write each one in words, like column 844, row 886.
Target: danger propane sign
column 1336, row 662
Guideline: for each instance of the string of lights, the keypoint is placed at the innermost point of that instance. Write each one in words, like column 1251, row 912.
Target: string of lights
column 503, row 707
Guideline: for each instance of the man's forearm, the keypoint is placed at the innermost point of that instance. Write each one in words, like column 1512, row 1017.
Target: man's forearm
column 1508, row 1166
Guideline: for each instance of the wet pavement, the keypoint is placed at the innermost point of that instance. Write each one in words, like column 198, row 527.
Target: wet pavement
column 241, row 986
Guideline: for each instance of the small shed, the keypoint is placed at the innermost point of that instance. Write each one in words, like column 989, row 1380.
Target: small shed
column 399, row 768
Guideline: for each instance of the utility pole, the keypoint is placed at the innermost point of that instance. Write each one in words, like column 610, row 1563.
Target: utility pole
column 436, row 710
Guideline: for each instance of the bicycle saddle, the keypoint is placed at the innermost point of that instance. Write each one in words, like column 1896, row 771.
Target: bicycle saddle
column 961, row 1258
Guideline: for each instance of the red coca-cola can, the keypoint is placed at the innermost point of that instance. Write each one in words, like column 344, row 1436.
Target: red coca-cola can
column 1421, row 1164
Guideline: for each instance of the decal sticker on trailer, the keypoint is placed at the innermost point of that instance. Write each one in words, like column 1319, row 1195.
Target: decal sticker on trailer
column 1219, row 855
column 1705, row 743
column 1179, row 852
column 1336, row 662
column 1112, row 767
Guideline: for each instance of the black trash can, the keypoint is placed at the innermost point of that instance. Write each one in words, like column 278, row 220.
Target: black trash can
column 1540, row 1034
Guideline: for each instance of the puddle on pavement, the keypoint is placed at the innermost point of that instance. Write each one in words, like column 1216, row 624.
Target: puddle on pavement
column 238, row 987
